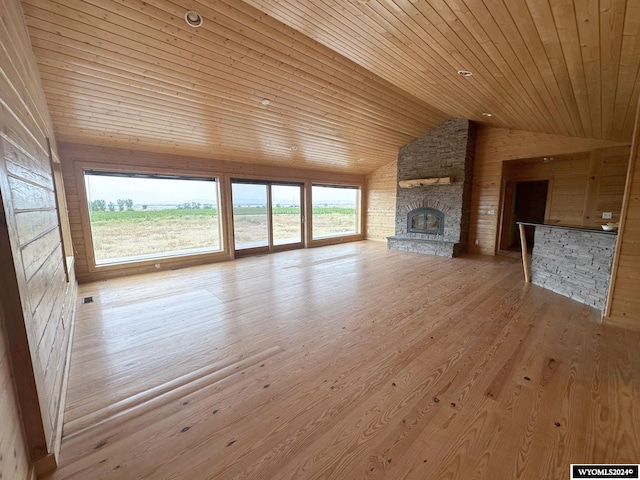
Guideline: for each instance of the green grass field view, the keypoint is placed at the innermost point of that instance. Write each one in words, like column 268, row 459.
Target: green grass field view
column 128, row 215
column 135, row 233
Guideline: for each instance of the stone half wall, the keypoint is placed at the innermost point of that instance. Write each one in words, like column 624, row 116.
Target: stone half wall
column 573, row 263
column 446, row 151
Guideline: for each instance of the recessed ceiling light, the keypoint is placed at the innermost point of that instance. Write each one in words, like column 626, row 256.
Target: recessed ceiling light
column 193, row 19
column 361, row 160
column 485, row 114
column 293, row 148
column 364, row 2
column 465, row 73
column 265, row 101
column 547, row 159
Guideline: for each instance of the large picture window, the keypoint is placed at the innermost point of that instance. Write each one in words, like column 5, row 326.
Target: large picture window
column 336, row 211
column 141, row 216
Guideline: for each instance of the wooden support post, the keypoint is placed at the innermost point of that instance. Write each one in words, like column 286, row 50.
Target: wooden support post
column 525, row 255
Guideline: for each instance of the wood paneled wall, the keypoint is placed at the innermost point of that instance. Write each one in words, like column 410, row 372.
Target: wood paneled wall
column 76, row 157
column 581, row 185
column 493, row 147
column 624, row 303
column 37, row 301
column 381, row 201
column 611, row 179
column 568, row 181
column 15, row 462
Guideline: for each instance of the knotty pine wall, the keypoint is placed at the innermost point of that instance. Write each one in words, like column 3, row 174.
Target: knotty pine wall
column 381, row 201
column 76, row 157
column 610, row 184
column 493, row 147
column 581, row 185
column 15, row 463
column 624, row 303
column 37, row 301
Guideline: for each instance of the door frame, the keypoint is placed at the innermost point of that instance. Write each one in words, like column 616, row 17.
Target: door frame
column 270, row 247
column 508, row 207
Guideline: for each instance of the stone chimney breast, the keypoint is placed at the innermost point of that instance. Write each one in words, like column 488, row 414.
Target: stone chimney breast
column 446, row 151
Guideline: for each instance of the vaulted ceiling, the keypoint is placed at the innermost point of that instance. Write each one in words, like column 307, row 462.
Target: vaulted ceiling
column 347, row 81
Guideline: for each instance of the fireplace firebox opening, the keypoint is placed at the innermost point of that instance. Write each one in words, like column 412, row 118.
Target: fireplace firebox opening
column 425, row 220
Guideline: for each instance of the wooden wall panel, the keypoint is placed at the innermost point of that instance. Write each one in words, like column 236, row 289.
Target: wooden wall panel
column 381, row 195
column 624, row 302
column 568, row 180
column 37, row 300
column 613, row 176
column 75, row 157
column 581, row 186
column 15, row 462
column 493, row 147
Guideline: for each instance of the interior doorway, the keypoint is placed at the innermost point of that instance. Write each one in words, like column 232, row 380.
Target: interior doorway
column 525, row 201
column 267, row 216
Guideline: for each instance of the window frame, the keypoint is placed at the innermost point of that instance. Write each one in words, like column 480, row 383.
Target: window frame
column 64, row 228
column 338, row 238
column 271, row 247
column 161, row 260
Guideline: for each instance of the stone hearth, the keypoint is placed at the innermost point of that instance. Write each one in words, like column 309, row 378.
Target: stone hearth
column 448, row 150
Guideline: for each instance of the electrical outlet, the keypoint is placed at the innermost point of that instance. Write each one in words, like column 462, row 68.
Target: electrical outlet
column 477, row 241
column 607, row 215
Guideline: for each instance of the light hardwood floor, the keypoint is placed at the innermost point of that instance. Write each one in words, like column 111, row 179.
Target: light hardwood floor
column 345, row 362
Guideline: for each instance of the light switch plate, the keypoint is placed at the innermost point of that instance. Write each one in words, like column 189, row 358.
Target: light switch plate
column 607, row 215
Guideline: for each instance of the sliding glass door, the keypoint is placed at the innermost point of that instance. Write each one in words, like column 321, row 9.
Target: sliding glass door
column 267, row 216
column 250, row 215
column 286, row 214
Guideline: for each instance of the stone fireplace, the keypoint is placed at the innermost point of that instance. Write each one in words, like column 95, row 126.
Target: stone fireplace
column 434, row 219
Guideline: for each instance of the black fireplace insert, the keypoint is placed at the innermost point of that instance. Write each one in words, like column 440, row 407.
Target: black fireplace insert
column 425, row 220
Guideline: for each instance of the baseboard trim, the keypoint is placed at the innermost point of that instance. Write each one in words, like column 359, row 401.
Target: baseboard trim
column 623, row 322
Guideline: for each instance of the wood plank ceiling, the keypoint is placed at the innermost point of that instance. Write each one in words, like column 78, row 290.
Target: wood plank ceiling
column 348, row 81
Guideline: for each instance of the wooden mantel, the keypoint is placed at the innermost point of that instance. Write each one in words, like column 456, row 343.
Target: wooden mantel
column 423, row 182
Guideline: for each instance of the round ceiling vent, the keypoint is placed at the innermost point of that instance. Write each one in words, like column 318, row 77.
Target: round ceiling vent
column 193, row 19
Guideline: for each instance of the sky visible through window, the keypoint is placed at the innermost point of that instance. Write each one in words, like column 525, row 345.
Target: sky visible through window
column 150, row 191
column 330, row 196
column 166, row 192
